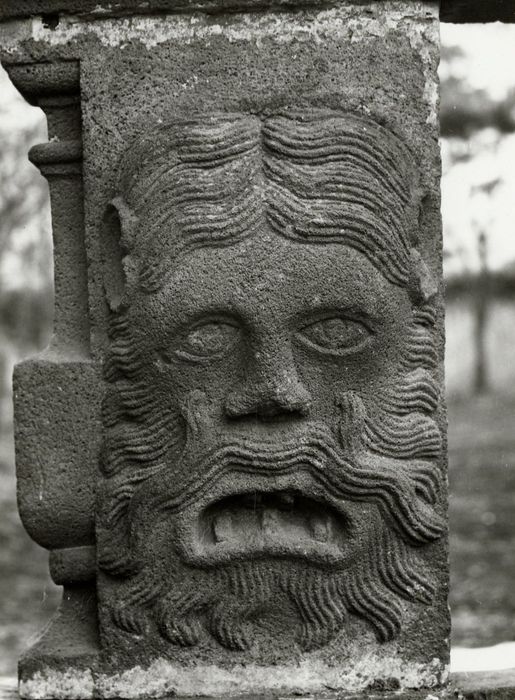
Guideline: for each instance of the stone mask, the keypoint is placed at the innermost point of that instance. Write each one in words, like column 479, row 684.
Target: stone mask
column 269, row 472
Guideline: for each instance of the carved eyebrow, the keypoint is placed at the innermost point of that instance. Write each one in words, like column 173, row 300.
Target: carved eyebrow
column 364, row 311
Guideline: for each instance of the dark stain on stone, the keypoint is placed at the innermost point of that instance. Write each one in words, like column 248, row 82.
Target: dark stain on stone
column 50, row 20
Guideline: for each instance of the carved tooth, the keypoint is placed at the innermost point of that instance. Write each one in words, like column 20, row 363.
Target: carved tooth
column 270, row 522
column 286, row 500
column 222, row 527
column 321, row 528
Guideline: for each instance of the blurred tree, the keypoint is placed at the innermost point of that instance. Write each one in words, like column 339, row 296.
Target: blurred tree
column 481, row 301
column 25, row 246
column 465, row 110
column 481, row 298
column 22, row 194
column 25, row 242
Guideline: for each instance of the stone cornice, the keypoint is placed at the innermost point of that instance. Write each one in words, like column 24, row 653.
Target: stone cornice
column 450, row 11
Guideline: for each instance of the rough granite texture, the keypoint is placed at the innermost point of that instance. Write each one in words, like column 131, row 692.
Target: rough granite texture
column 256, row 266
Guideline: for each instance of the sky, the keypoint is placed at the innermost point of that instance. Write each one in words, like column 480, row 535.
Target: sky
column 489, row 54
column 14, row 111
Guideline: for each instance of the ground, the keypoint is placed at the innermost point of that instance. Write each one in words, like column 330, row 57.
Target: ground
column 482, row 521
column 28, row 596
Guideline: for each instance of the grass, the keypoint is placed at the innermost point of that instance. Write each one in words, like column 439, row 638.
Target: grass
column 482, row 520
column 28, row 597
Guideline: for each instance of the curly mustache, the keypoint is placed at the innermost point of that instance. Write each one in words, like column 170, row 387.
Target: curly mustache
column 406, row 493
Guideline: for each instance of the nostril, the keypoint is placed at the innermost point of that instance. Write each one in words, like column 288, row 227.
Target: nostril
column 276, row 413
column 268, row 405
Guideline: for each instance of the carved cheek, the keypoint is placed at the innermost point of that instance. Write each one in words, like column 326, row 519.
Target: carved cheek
column 327, row 377
column 177, row 376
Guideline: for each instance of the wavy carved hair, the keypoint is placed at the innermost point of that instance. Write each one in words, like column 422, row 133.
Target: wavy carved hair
column 313, row 176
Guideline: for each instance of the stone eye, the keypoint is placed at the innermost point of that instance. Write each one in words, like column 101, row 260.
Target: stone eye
column 209, row 340
column 335, row 335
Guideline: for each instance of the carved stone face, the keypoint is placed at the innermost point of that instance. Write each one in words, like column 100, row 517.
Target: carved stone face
column 259, row 343
column 269, row 440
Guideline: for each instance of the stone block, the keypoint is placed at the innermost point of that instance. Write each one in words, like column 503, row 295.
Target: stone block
column 251, row 208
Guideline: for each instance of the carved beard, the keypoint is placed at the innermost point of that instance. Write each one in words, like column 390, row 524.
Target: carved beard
column 381, row 456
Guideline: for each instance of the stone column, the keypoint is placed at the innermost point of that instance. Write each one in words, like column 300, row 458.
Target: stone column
column 233, row 447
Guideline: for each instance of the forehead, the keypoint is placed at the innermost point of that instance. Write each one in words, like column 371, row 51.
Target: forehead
column 269, row 274
column 308, row 176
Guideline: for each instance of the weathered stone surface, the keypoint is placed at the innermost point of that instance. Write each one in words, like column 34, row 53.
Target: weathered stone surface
column 57, row 437
column 256, row 265
column 61, row 662
column 498, row 685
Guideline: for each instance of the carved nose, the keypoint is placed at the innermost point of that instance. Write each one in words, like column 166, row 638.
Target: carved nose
column 269, row 400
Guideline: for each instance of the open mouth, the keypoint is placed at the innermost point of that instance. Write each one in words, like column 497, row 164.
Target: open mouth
column 271, row 524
